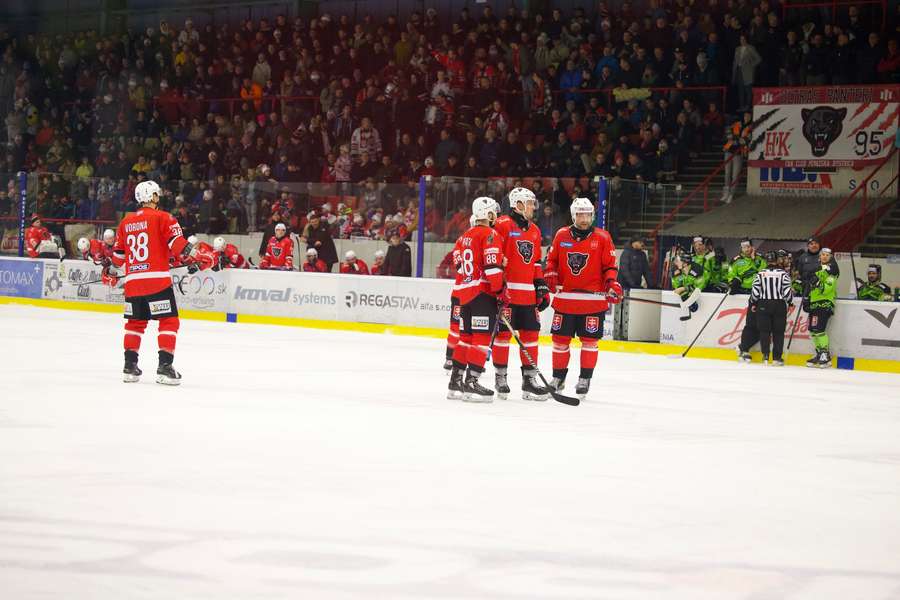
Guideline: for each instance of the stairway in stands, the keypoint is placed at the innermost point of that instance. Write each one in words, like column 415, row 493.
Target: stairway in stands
column 689, row 177
column 885, row 237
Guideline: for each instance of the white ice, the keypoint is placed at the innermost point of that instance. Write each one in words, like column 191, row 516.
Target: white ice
column 296, row 463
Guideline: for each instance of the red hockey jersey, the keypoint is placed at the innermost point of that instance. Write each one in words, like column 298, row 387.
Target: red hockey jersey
column 357, row 268
column 279, row 254
column 318, row 266
column 522, row 250
column 99, row 252
column 231, row 258
column 144, row 242
column 481, row 263
column 456, row 269
column 582, row 268
column 33, row 238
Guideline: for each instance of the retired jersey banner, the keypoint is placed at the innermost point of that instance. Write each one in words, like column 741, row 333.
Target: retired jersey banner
column 851, row 126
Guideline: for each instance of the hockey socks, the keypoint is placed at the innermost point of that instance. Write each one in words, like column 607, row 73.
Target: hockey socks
column 500, row 349
column 134, row 330
column 588, row 357
column 530, row 345
column 168, row 332
column 476, row 354
column 560, row 354
column 821, row 341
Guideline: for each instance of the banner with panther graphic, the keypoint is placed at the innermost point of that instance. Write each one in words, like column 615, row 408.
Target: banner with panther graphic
column 852, row 126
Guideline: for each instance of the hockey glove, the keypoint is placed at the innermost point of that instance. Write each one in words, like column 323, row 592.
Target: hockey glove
column 542, row 291
column 192, row 268
column 694, row 307
column 805, row 305
column 614, row 291
column 736, row 286
column 552, row 281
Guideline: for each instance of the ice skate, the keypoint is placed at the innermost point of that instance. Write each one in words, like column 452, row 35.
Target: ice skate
column 474, row 391
column 582, row 387
column 131, row 373
column 500, row 383
column 455, row 387
column 531, row 389
column 813, row 361
column 165, row 373
column 558, row 383
column 777, row 362
column 824, row 360
column 744, row 356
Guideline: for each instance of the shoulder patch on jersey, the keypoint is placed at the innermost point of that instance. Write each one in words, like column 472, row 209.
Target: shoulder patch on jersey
column 566, row 244
column 526, row 250
column 577, row 261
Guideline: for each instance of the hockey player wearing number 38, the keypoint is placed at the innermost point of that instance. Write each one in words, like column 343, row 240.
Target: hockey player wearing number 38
column 582, row 263
column 481, row 262
column 144, row 242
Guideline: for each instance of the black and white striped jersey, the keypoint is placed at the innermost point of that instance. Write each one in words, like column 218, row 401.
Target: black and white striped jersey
column 772, row 284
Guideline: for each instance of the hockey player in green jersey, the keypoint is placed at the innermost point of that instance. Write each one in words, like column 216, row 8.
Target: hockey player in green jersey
column 822, row 295
column 744, row 268
column 874, row 288
column 686, row 282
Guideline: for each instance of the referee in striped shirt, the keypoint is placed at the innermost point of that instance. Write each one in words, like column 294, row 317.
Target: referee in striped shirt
column 771, row 294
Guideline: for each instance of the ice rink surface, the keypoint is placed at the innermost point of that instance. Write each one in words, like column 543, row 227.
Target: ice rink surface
column 296, row 463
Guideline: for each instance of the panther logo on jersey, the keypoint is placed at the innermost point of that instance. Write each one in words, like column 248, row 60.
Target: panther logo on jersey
column 577, row 262
column 276, row 251
column 526, row 250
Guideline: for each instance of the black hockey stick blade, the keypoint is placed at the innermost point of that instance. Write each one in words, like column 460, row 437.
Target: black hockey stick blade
column 568, row 400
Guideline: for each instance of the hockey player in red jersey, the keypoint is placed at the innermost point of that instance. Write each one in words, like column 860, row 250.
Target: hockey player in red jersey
column 98, row 251
column 205, row 257
column 279, row 251
column 227, row 255
column 582, row 263
column 481, row 261
column 455, row 310
column 39, row 242
column 313, row 263
column 144, row 242
column 528, row 293
column 353, row 265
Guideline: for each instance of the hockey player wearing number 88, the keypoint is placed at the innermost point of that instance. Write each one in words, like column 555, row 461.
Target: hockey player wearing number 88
column 527, row 291
column 144, row 243
column 481, row 262
column 582, row 262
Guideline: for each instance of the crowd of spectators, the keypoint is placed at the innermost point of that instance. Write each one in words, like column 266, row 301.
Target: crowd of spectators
column 240, row 121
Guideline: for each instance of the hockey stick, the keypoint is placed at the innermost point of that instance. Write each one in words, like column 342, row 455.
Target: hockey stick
column 699, row 333
column 787, row 350
column 569, row 400
column 656, row 302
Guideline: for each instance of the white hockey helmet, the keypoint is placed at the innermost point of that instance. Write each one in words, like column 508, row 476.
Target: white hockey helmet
column 472, row 220
column 350, row 255
column 581, row 206
column 520, row 194
column 83, row 245
column 192, row 240
column 109, row 237
column 379, row 254
column 280, row 227
column 219, row 244
column 312, row 252
column 144, row 191
column 483, row 207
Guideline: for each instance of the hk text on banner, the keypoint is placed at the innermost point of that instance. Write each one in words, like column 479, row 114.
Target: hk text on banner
column 850, row 126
